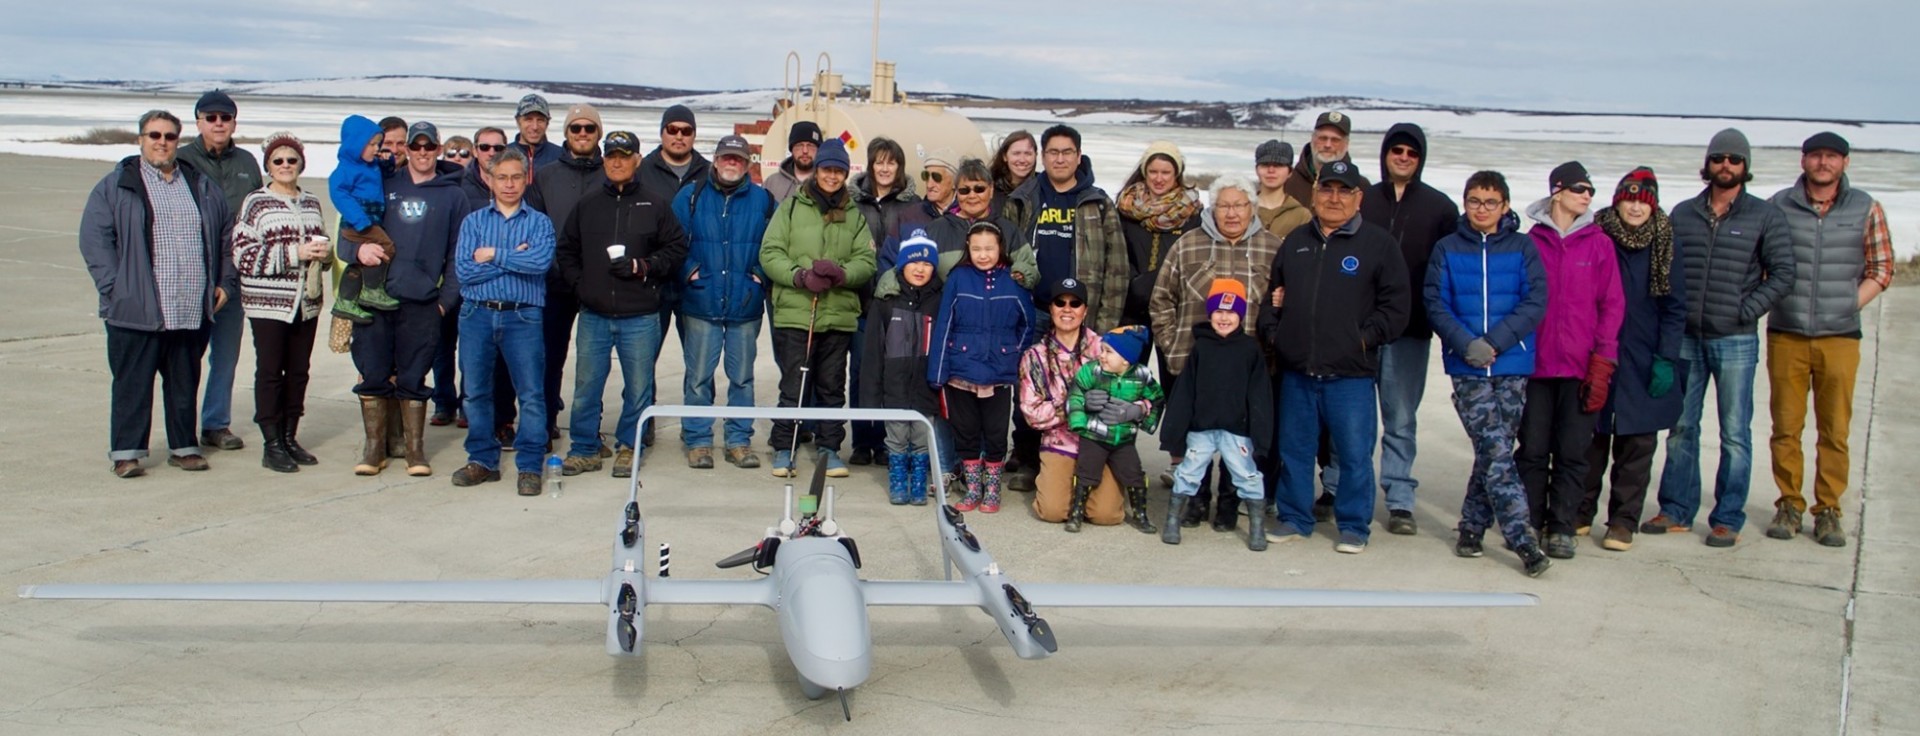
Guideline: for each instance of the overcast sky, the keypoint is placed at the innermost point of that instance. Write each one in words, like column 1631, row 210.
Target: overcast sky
column 1845, row 59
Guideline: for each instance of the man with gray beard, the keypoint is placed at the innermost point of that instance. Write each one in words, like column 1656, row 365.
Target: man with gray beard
column 1331, row 133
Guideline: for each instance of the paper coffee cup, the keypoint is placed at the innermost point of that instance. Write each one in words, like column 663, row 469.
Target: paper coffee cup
column 616, row 251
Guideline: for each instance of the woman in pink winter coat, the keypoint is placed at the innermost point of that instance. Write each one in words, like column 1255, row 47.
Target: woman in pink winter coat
column 1579, row 345
column 1045, row 369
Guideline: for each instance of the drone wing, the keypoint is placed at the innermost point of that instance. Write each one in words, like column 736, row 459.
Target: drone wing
column 1172, row 596
column 414, row 591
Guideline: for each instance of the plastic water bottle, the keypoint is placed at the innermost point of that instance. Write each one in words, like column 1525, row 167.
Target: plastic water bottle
column 554, row 480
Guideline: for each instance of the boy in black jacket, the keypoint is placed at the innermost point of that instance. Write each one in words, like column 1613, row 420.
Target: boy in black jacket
column 1236, row 424
column 896, row 350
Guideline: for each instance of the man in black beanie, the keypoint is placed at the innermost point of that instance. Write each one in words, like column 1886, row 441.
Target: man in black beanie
column 803, row 141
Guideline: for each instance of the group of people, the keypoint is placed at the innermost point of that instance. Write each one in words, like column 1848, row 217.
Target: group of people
column 1290, row 316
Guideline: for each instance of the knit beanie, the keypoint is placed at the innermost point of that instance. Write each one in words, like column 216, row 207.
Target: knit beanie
column 1731, row 142
column 282, row 139
column 918, row 248
column 1162, row 148
column 1568, row 174
column 1227, row 294
column 583, row 111
column 832, row 155
column 677, row 114
column 805, row 131
column 1128, row 342
column 1639, row 185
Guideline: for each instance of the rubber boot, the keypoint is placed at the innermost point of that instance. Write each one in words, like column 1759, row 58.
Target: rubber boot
column 373, row 454
column 1197, row 510
column 413, row 421
column 897, row 472
column 990, row 501
column 396, row 430
column 373, row 291
column 274, row 455
column 1176, row 505
column 290, row 431
column 1137, row 510
column 1256, row 525
column 1226, row 511
column 918, row 468
column 972, row 471
column 1077, row 508
column 344, row 304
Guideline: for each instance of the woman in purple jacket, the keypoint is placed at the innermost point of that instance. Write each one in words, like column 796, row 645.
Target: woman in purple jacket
column 1579, row 344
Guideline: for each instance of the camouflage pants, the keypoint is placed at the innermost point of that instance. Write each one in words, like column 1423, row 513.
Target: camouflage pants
column 1490, row 409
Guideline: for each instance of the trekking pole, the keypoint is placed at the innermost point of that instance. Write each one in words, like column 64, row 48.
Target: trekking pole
column 806, row 370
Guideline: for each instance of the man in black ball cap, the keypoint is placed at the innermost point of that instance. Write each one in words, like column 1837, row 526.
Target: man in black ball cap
column 235, row 171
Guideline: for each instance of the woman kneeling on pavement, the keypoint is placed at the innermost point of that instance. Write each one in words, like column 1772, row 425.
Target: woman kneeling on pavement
column 281, row 250
column 1044, row 371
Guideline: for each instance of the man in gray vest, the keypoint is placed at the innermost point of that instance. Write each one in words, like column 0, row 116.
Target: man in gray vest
column 1843, row 258
column 237, row 174
column 1739, row 264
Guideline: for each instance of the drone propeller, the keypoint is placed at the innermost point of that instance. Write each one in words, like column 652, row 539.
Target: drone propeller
column 810, row 503
column 1037, row 626
column 630, row 531
column 629, row 605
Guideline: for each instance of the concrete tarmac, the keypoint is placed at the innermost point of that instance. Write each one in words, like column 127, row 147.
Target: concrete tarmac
column 1672, row 637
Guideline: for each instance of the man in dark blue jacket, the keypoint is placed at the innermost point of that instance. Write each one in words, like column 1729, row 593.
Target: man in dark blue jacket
column 723, row 295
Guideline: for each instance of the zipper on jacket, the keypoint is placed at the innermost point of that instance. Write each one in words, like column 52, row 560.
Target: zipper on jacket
column 1313, row 307
column 1486, row 316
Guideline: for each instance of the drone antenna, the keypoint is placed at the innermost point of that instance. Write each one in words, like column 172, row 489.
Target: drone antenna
column 844, row 710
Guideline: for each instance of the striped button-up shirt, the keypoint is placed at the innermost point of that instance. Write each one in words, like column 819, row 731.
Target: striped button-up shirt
column 523, row 251
column 179, row 256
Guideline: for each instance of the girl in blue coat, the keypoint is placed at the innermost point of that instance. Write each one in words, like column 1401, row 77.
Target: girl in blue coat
column 984, row 322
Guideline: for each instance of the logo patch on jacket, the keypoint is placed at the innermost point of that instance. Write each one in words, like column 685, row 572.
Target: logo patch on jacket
column 413, row 210
column 1350, row 265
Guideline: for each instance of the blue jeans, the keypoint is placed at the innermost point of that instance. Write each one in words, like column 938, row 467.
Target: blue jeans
column 223, row 351
column 1403, row 382
column 637, row 338
column 487, row 335
column 1347, row 408
column 1731, row 361
column 1236, row 452
column 702, row 343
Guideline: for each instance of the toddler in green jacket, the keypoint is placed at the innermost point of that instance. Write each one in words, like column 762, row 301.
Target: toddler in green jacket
column 1109, row 403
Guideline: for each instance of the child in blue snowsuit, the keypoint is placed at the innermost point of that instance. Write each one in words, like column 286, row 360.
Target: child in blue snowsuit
column 358, row 194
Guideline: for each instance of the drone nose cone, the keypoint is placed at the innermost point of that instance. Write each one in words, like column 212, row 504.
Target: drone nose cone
column 823, row 619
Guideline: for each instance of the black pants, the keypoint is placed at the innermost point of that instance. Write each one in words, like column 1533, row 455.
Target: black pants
column 557, row 327
column 281, row 354
column 135, row 357
column 1632, row 471
column 1123, row 460
column 395, row 353
column 446, row 367
column 1552, row 458
column 866, row 435
column 826, row 379
column 979, row 424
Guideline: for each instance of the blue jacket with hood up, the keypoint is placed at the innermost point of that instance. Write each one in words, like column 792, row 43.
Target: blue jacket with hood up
column 354, row 186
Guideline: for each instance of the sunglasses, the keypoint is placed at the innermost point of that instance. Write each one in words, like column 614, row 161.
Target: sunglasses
column 286, row 162
column 975, row 189
column 932, row 176
column 1403, row 151
column 423, row 146
column 157, row 135
column 680, row 130
column 457, row 153
column 217, row 117
column 1722, row 158
column 1069, row 303
column 1581, row 189
column 490, row 147
column 583, row 128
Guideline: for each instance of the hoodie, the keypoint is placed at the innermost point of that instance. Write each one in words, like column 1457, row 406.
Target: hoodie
column 1417, row 219
column 424, row 221
column 1492, row 286
column 1099, row 251
column 355, row 184
column 1584, row 303
column 1225, row 387
column 1179, row 297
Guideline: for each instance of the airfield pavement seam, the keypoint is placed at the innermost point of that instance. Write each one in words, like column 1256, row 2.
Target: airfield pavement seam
column 1860, row 521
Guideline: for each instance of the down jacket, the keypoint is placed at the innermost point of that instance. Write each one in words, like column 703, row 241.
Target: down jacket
column 1492, row 286
column 1739, row 267
column 984, row 323
column 798, row 235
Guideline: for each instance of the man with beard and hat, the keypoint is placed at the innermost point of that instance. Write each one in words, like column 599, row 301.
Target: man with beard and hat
column 803, row 142
column 1332, row 131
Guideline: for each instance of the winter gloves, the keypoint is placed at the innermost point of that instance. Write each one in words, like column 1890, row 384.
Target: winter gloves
column 1096, row 400
column 1599, row 380
column 1479, row 353
column 822, row 276
column 1121, row 412
column 1662, row 380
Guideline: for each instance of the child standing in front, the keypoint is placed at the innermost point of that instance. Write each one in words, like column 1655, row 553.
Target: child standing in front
column 897, row 343
column 358, row 193
column 1109, row 403
column 1231, row 416
column 984, row 321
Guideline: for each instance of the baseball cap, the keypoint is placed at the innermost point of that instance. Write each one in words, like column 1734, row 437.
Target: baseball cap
column 1568, row 174
column 532, row 104
column 215, row 101
column 1069, row 285
column 620, row 141
column 1343, row 172
column 1335, row 119
column 423, row 128
column 733, row 145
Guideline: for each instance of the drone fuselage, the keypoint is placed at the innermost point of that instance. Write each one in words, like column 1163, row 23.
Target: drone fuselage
column 823, row 613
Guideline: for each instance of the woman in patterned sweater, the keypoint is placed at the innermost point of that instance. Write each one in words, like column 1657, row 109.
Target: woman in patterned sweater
column 281, row 249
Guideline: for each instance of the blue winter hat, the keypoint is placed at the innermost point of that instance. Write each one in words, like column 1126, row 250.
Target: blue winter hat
column 1129, row 342
column 832, row 155
column 918, row 248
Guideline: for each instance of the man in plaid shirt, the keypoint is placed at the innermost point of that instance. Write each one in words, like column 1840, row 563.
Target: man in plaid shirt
column 1843, row 258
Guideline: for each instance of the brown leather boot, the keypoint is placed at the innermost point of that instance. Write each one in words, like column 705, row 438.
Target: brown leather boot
column 413, row 418
column 396, row 425
column 373, row 455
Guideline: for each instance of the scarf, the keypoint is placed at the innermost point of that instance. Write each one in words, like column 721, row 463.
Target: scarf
column 833, row 207
column 1165, row 213
column 1657, row 232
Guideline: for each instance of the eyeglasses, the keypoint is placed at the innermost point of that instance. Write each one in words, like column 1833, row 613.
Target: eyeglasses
column 583, row 128
column 423, row 146
column 932, row 176
column 1583, row 189
column 1062, row 152
column 1403, row 151
column 1238, row 207
column 457, row 153
column 1342, row 192
column 217, row 117
column 1069, row 303
column 975, row 189
column 490, row 147
column 155, row 135
column 680, row 130
column 1475, row 203
column 1725, row 158
column 286, row 162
